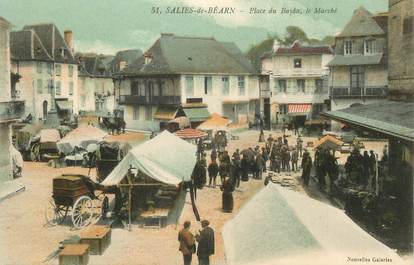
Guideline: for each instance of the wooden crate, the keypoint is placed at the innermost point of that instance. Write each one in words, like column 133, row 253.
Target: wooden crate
column 74, row 254
column 98, row 237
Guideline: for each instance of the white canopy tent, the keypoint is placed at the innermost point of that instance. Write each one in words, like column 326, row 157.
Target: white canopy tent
column 280, row 226
column 81, row 137
column 165, row 158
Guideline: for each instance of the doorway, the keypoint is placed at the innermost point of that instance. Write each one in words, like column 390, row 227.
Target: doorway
column 45, row 109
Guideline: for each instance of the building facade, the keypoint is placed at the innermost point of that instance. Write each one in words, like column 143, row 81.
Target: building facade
column 187, row 76
column 358, row 71
column 401, row 50
column 297, row 82
column 95, row 84
column 10, row 109
column 44, row 60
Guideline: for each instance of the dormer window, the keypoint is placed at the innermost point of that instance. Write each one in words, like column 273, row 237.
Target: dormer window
column 122, row 65
column 348, row 47
column 148, row 58
column 62, row 52
column 369, row 46
column 297, row 63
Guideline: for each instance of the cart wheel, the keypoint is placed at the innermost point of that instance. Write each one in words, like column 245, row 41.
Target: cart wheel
column 55, row 214
column 82, row 212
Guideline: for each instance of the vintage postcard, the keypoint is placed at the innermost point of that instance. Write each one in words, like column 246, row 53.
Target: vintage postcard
column 225, row 132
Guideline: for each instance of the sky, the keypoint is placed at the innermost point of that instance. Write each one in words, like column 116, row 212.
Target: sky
column 107, row 26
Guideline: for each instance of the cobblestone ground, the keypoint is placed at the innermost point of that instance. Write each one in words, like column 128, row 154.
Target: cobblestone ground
column 29, row 241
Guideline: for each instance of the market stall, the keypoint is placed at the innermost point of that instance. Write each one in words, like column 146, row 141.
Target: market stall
column 151, row 174
column 281, row 226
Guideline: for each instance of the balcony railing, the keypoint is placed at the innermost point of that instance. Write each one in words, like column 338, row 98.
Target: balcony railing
column 146, row 100
column 11, row 110
column 371, row 91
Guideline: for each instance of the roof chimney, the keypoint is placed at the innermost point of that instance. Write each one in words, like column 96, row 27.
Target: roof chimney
column 69, row 39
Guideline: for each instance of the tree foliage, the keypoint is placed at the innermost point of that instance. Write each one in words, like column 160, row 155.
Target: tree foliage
column 293, row 33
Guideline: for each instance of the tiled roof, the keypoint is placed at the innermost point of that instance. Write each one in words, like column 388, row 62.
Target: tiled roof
column 128, row 56
column 362, row 23
column 389, row 117
column 357, row 60
column 94, row 64
column 299, row 49
column 40, row 42
column 179, row 55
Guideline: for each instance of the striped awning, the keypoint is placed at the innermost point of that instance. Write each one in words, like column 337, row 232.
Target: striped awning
column 191, row 133
column 299, row 109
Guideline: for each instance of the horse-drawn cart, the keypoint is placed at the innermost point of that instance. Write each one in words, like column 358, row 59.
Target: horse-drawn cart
column 74, row 195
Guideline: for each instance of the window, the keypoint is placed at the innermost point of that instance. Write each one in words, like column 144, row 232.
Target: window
column 71, row 88
column 58, row 69
column 157, row 87
column 70, row 67
column 39, row 67
column 241, row 85
column 369, row 46
column 318, row 85
column 348, row 47
column 226, row 85
column 134, row 88
column 189, row 86
column 49, row 68
column 282, row 85
column 135, row 113
column 141, row 89
column 39, row 86
column 297, row 63
column 58, row 88
column 148, row 113
column 208, row 85
column 357, row 79
column 283, row 109
column 408, row 25
column 301, row 85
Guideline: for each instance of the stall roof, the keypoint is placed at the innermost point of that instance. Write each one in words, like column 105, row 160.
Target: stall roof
column 165, row 158
column 328, row 141
column 49, row 136
column 190, row 133
column 280, row 226
column 80, row 137
column 215, row 122
column 197, row 114
column 388, row 117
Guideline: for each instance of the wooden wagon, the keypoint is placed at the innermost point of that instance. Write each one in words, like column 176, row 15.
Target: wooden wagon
column 74, row 195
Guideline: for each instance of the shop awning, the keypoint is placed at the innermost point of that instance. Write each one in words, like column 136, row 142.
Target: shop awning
column 64, row 104
column 166, row 113
column 299, row 109
column 197, row 114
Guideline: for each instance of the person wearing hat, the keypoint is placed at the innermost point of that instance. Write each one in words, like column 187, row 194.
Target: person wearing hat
column 187, row 243
column 227, row 196
column 306, row 167
column 205, row 241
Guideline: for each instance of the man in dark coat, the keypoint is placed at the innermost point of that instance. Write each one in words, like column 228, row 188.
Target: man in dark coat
column 244, row 167
column 205, row 243
column 227, row 196
column 265, row 156
column 235, row 172
column 306, row 167
column 187, row 243
column 259, row 166
column 295, row 159
column 213, row 170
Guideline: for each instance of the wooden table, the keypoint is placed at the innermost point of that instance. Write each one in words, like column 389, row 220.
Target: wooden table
column 74, row 254
column 98, row 237
column 158, row 214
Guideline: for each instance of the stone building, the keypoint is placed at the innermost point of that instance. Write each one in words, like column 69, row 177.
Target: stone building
column 358, row 71
column 401, row 50
column 298, row 82
column 44, row 60
column 187, row 76
column 10, row 111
